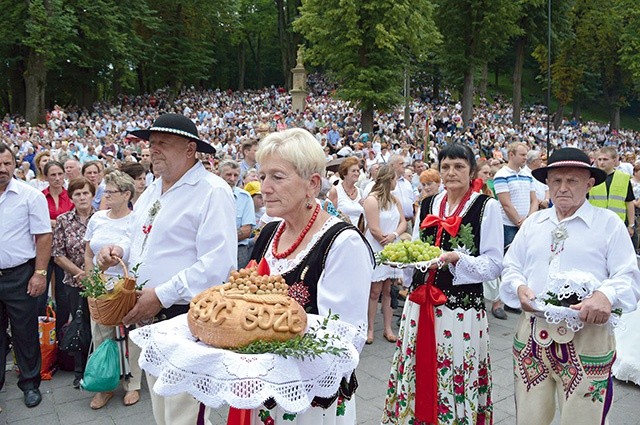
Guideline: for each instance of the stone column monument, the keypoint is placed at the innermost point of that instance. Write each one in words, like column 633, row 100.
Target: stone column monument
column 299, row 89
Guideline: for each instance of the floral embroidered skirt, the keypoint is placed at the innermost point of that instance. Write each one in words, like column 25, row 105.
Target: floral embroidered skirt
column 341, row 412
column 464, row 370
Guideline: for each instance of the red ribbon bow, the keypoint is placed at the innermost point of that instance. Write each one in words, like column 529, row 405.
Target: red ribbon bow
column 450, row 224
column 427, row 296
column 243, row 416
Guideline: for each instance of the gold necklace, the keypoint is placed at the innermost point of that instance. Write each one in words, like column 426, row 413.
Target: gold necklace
column 353, row 192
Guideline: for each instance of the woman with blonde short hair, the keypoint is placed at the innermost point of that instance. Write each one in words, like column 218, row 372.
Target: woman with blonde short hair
column 315, row 252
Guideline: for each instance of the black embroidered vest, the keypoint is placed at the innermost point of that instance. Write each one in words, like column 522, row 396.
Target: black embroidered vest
column 304, row 279
column 461, row 296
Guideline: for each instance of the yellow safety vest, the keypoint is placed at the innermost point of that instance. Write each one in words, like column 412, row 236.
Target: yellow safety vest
column 617, row 194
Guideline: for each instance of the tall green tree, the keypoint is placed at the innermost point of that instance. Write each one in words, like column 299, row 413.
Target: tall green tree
column 109, row 46
column 531, row 17
column 254, row 30
column 181, row 49
column 630, row 39
column 598, row 44
column 468, row 27
column 34, row 35
column 288, row 11
column 366, row 45
column 59, row 50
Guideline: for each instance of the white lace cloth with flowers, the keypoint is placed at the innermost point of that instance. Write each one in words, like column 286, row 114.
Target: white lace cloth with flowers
column 217, row 377
column 566, row 284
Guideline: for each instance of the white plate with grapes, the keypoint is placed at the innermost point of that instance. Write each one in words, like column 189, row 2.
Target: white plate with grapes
column 403, row 254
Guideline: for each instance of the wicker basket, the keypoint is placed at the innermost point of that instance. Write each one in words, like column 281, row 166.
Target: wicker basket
column 109, row 309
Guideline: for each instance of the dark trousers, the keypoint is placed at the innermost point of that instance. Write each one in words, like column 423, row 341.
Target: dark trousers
column 75, row 301
column 19, row 309
column 509, row 235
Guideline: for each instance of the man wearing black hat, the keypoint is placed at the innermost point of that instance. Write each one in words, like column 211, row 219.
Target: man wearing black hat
column 182, row 233
column 576, row 247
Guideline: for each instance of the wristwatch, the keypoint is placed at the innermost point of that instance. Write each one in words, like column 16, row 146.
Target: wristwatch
column 42, row 272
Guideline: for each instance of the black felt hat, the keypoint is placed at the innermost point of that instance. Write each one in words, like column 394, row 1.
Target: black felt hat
column 175, row 124
column 569, row 157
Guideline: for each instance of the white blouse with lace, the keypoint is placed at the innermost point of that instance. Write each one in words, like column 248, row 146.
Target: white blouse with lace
column 344, row 284
column 487, row 265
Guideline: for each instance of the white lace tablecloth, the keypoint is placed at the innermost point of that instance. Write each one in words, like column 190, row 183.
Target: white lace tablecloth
column 216, row 377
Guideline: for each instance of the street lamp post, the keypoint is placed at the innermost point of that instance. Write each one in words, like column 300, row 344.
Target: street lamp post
column 549, row 80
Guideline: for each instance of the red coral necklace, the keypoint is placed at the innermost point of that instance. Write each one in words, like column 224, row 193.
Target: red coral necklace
column 297, row 242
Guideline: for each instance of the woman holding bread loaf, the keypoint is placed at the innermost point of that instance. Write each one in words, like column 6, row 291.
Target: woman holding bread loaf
column 325, row 261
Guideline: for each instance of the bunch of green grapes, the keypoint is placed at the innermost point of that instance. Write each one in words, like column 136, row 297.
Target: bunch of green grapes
column 409, row 252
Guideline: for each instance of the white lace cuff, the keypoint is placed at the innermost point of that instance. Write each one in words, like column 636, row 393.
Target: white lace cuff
column 470, row 269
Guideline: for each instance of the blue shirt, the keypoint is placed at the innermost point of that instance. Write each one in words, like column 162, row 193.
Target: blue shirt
column 333, row 136
column 245, row 212
column 98, row 198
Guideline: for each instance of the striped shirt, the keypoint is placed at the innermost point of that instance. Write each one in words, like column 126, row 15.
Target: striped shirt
column 519, row 184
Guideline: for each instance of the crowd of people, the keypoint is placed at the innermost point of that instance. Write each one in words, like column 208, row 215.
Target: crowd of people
column 192, row 188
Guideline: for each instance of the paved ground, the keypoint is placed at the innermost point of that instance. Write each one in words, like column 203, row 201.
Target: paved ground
column 63, row 405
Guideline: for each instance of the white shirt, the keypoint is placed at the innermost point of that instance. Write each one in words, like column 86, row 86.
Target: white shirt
column 348, row 260
column 193, row 241
column 519, row 185
column 103, row 231
column 367, row 189
column 598, row 243
column 625, row 167
column 487, row 265
column 23, row 214
column 539, row 187
column 404, row 192
column 39, row 184
column 350, row 207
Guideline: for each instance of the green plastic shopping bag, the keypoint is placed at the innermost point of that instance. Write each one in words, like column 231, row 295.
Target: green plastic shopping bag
column 103, row 368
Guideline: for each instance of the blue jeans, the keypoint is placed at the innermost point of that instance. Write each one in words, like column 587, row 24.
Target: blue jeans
column 509, row 234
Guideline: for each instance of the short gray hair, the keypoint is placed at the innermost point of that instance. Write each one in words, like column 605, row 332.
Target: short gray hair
column 228, row 163
column 532, row 155
column 297, row 146
column 122, row 181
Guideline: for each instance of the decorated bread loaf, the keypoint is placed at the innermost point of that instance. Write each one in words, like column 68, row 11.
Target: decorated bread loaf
column 248, row 308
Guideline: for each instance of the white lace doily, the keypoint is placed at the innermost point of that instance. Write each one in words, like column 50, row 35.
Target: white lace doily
column 554, row 314
column 564, row 285
column 216, row 377
column 572, row 282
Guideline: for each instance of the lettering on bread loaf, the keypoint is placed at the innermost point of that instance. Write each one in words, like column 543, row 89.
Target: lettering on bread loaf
column 268, row 316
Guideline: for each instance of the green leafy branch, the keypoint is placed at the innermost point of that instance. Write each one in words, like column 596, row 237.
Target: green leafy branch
column 464, row 239
column 310, row 345
column 134, row 274
column 93, row 284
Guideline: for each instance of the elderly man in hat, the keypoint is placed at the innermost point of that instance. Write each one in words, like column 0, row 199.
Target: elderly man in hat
column 563, row 250
column 182, row 233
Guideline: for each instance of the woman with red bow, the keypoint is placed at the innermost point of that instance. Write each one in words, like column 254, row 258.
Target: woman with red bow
column 441, row 372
